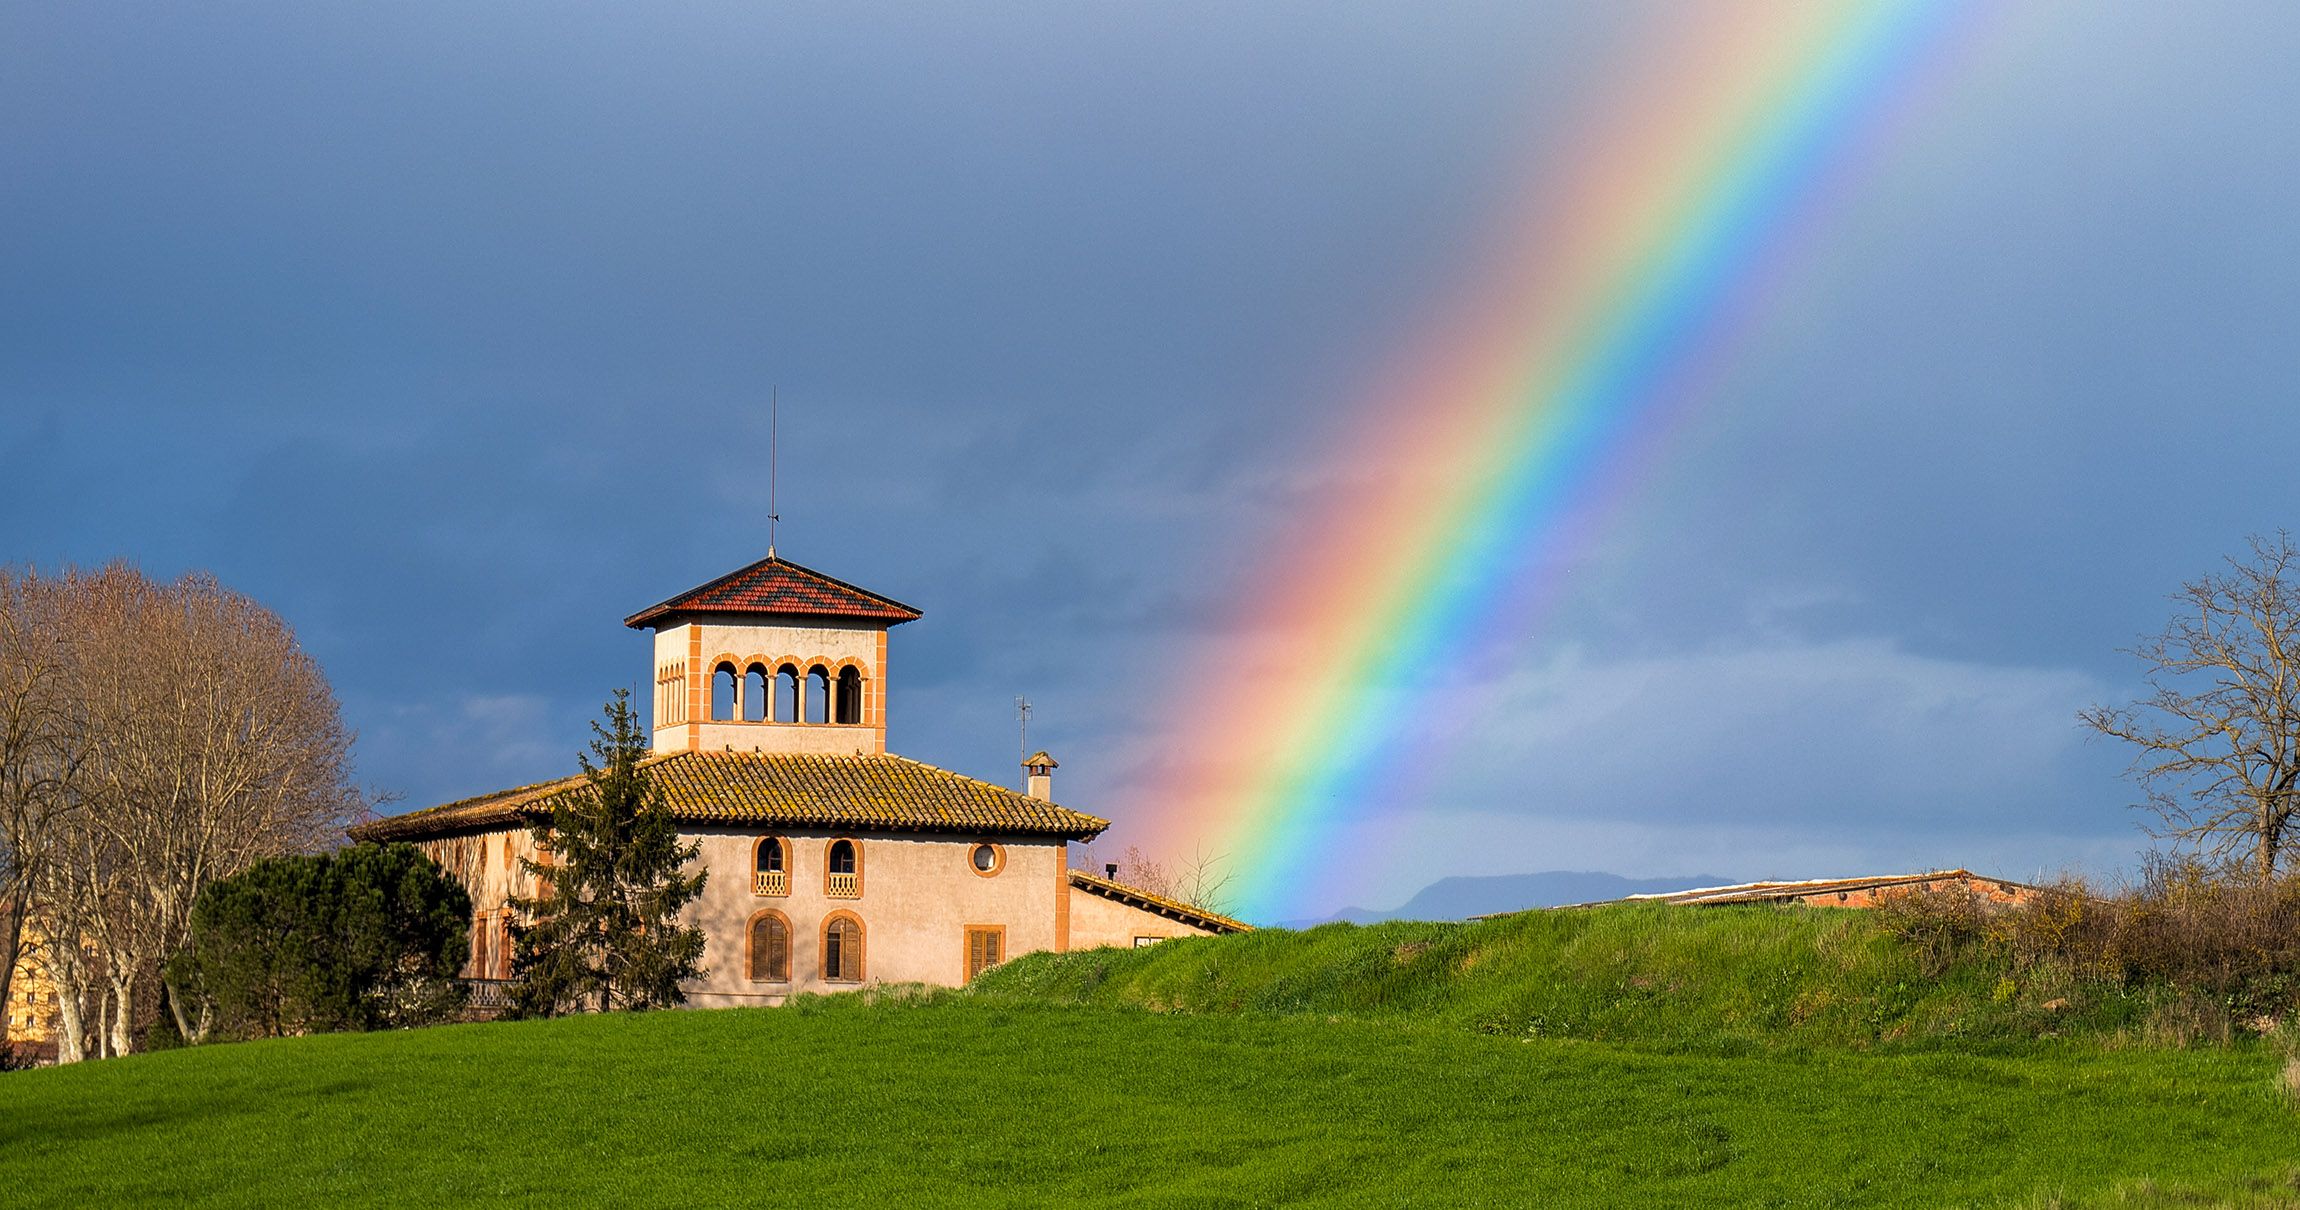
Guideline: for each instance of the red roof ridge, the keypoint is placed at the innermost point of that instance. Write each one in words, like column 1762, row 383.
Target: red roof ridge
column 776, row 585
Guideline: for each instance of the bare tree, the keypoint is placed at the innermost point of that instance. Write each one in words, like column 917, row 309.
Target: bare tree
column 2218, row 736
column 38, row 752
column 211, row 740
column 1201, row 882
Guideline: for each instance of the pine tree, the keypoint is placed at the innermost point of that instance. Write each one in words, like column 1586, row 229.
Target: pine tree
column 603, row 930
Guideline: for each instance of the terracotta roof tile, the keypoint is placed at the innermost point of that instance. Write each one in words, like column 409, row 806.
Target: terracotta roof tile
column 777, row 586
column 1188, row 913
column 881, row 792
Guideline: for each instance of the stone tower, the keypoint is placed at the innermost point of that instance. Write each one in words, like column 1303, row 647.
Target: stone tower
column 773, row 657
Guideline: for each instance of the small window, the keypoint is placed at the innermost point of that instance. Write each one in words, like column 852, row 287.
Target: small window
column 1145, row 942
column 850, row 694
column 787, row 694
column 770, row 946
column 818, row 694
column 986, row 858
column 842, row 949
column 758, row 688
column 723, row 681
column 479, row 954
column 985, row 948
column 843, row 870
column 770, row 874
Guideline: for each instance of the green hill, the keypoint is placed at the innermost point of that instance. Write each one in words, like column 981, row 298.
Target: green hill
column 1581, row 1059
column 1725, row 980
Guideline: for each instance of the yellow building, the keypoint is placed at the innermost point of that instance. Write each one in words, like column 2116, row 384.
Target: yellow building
column 32, row 999
column 833, row 863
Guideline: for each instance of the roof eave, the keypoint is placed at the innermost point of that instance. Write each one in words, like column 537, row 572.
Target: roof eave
column 658, row 616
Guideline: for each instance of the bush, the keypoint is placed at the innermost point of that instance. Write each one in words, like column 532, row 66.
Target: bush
column 369, row 937
column 2217, row 953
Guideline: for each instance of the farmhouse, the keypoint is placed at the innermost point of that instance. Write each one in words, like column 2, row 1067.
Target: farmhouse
column 833, row 863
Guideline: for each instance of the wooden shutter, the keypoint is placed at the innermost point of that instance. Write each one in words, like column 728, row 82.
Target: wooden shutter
column 842, row 951
column 984, row 949
column 770, row 949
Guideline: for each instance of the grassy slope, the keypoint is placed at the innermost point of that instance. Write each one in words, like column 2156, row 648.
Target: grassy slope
column 1600, row 1058
column 964, row 1100
column 1714, row 980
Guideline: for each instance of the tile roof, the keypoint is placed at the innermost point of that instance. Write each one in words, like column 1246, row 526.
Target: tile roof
column 874, row 792
column 1793, row 891
column 1137, row 897
column 1777, row 892
column 777, row 586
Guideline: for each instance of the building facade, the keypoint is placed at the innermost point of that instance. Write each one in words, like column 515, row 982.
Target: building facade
column 833, row 863
column 34, row 1005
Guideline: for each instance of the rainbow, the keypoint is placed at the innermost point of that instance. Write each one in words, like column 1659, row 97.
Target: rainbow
column 1608, row 312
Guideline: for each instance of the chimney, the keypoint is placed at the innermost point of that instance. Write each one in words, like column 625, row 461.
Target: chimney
column 1041, row 768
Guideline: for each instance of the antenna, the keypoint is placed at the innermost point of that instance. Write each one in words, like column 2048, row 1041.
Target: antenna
column 1022, row 728
column 774, row 461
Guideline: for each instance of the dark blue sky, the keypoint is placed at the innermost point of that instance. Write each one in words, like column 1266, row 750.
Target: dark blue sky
column 447, row 331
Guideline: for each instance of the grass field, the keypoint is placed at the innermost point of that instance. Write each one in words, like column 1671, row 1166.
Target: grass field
column 1647, row 1056
column 960, row 1100
column 1719, row 981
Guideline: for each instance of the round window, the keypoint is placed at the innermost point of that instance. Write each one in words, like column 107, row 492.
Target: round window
column 985, row 858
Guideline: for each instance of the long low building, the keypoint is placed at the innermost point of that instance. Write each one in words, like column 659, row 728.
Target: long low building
column 833, row 863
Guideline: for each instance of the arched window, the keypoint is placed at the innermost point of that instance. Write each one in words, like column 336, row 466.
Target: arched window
column 723, row 693
column 842, row 870
column 770, row 948
column 818, row 694
column 771, row 873
column 479, row 954
column 787, row 694
column 850, row 694
column 755, row 693
column 842, row 949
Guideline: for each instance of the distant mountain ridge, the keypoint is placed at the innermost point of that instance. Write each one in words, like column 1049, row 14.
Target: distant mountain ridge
column 1461, row 897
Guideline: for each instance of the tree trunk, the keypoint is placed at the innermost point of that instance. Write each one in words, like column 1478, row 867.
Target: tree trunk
column 70, row 970
column 123, row 1023
column 12, row 942
column 72, row 1045
column 193, row 1033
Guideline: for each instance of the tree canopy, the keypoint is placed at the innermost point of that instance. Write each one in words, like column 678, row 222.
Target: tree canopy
column 154, row 737
column 369, row 937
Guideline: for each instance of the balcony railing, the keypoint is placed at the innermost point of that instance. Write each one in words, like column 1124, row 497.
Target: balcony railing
column 771, row 882
column 846, row 886
column 487, row 999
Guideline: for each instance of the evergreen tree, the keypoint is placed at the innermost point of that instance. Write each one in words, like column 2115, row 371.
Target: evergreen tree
column 603, row 930
column 364, row 938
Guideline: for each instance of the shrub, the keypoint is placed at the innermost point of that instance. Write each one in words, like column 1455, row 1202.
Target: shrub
column 2226, row 950
column 365, row 938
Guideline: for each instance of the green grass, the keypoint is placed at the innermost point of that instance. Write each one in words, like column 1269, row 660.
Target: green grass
column 960, row 1100
column 1714, row 981
column 1647, row 1056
